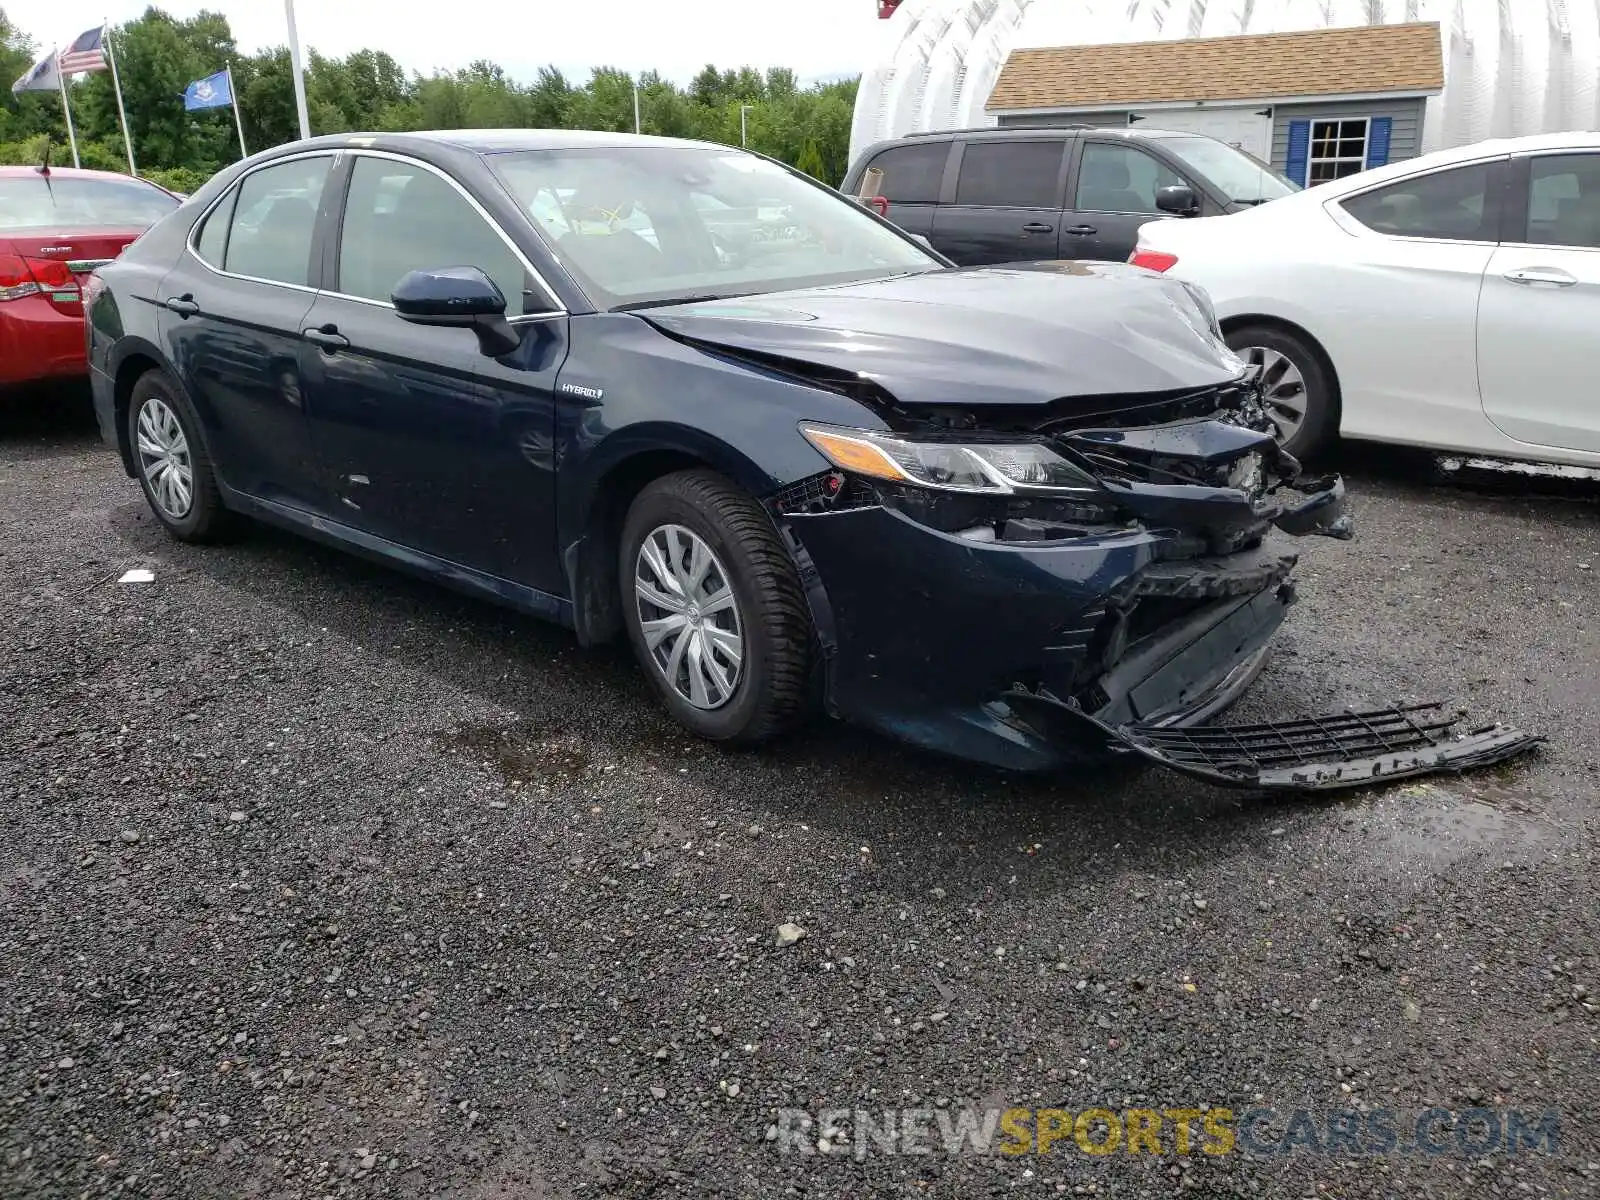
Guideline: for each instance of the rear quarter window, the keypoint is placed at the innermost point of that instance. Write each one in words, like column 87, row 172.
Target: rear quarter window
column 912, row 174
column 1452, row 205
column 212, row 239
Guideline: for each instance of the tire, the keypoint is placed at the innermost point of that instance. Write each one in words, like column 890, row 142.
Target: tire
column 1319, row 425
column 770, row 691
column 203, row 518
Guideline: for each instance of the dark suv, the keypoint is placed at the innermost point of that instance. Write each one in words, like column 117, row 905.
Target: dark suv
column 1068, row 191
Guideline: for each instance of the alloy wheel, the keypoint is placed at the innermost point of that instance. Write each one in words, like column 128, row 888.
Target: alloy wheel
column 689, row 615
column 1283, row 387
column 164, row 458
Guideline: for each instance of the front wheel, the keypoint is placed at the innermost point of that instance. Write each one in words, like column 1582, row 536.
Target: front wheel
column 1296, row 387
column 714, row 608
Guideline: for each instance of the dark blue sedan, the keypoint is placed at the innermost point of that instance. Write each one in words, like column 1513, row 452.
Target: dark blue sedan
column 680, row 391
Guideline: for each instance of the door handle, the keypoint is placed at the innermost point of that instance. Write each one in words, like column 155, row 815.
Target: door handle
column 1081, row 230
column 326, row 336
column 1553, row 276
column 183, row 305
column 1038, row 227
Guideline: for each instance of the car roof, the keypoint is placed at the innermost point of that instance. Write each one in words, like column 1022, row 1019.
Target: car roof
column 14, row 172
column 1438, row 160
column 1572, row 140
column 1065, row 127
column 497, row 141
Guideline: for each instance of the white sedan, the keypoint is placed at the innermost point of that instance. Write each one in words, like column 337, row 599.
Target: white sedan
column 1450, row 301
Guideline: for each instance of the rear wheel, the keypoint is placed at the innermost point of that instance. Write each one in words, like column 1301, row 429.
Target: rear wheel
column 714, row 608
column 171, row 461
column 1296, row 387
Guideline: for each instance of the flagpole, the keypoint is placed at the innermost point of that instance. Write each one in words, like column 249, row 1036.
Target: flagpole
column 116, row 83
column 299, row 72
column 238, row 123
column 61, row 82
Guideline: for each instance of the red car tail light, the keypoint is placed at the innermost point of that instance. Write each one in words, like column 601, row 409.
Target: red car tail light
column 16, row 281
column 1153, row 260
column 51, row 274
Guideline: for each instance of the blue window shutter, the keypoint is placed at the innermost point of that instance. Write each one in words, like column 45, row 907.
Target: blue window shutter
column 1299, row 150
column 1378, row 141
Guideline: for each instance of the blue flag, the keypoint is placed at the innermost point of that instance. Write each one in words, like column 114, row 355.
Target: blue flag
column 214, row 91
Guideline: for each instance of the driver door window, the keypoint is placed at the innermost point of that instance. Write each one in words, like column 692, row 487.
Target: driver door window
column 1115, row 194
column 400, row 217
column 1120, row 179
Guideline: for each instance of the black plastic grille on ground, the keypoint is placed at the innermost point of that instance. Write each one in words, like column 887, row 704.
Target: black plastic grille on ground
column 1343, row 750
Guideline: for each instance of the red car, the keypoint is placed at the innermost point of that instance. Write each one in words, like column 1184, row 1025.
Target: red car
column 57, row 226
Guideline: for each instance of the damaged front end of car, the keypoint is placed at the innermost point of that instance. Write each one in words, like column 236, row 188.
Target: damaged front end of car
column 1040, row 585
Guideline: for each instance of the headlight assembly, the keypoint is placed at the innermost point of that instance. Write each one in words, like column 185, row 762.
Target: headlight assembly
column 993, row 468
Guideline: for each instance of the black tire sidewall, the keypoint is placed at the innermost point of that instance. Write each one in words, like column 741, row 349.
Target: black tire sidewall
column 666, row 505
column 1321, row 420
column 202, row 515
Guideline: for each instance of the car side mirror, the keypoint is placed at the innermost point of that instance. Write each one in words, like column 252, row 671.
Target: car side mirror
column 457, row 296
column 1178, row 199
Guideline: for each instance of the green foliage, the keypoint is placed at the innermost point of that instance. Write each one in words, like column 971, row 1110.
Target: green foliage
column 810, row 160
column 159, row 55
column 183, row 180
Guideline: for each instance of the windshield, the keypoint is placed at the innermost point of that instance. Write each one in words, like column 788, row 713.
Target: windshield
column 1242, row 178
column 637, row 225
column 32, row 199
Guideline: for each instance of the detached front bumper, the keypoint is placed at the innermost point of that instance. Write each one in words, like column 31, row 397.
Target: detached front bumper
column 1036, row 656
column 926, row 634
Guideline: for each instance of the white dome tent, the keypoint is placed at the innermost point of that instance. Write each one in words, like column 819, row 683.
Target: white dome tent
column 937, row 60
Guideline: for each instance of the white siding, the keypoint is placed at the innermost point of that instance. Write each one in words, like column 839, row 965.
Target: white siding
column 937, row 60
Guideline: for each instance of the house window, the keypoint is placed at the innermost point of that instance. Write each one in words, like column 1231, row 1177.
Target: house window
column 1338, row 148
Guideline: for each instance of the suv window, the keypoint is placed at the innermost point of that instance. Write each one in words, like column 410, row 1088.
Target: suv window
column 912, row 174
column 400, row 218
column 1013, row 174
column 274, row 219
column 1120, row 179
column 1452, row 205
column 1564, row 200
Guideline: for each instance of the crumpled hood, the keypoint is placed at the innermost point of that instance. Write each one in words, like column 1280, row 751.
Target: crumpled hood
column 1024, row 334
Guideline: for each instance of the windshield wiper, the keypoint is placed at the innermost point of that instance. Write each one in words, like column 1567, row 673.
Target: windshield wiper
column 691, row 298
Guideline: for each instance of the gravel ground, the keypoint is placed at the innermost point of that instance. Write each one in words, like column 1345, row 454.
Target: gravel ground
column 319, row 881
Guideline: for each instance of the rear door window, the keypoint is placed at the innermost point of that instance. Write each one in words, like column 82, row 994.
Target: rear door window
column 1453, row 205
column 913, row 174
column 274, row 220
column 1011, row 174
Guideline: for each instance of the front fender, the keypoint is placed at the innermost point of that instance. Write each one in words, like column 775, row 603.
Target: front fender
column 651, row 405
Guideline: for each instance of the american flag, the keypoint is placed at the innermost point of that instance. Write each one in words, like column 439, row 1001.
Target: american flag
column 87, row 52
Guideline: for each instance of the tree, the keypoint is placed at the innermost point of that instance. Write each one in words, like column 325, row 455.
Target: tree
column 159, row 55
column 811, row 161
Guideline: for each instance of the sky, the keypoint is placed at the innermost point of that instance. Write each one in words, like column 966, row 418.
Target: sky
column 817, row 38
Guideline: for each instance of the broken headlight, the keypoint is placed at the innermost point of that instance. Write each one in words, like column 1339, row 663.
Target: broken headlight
column 994, row 468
